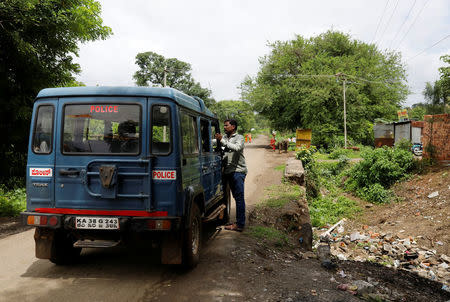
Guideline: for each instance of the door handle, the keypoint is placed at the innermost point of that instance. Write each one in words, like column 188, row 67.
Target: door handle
column 68, row 172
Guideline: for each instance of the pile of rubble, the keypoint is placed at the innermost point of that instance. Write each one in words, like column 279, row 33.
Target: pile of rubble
column 392, row 250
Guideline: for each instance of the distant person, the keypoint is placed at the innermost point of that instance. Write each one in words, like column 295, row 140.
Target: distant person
column 250, row 138
column 273, row 141
column 235, row 170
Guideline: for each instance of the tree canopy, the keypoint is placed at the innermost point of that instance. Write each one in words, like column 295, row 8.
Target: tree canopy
column 437, row 95
column 238, row 110
column 178, row 75
column 296, row 87
column 38, row 40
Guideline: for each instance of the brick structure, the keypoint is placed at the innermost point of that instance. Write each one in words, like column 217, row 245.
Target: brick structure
column 436, row 131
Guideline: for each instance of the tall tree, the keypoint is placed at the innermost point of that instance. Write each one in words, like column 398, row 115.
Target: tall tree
column 152, row 67
column 295, row 86
column 437, row 95
column 38, row 40
column 238, row 110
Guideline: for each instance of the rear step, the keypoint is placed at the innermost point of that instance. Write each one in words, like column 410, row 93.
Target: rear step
column 215, row 213
column 96, row 243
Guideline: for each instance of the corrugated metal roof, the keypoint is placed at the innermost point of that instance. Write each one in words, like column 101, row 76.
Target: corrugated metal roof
column 180, row 98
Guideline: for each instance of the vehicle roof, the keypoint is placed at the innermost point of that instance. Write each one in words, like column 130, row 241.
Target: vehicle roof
column 194, row 103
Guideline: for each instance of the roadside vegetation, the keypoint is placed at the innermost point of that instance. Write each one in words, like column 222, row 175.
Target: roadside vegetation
column 280, row 195
column 328, row 183
column 12, row 202
column 269, row 235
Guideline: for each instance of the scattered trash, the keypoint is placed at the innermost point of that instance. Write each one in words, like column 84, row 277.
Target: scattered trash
column 434, row 194
column 342, row 274
column 396, row 250
column 445, row 258
column 323, row 252
column 328, row 264
column 354, row 236
column 328, row 232
column 363, row 287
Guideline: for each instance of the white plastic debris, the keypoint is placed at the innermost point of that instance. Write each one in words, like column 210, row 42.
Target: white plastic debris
column 434, row 194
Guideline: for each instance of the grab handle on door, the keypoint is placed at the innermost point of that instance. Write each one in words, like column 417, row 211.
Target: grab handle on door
column 69, row 172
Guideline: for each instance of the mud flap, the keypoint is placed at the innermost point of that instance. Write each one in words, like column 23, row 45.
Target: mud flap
column 44, row 241
column 172, row 248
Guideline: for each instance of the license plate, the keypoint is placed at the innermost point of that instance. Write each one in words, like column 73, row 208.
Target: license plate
column 97, row 223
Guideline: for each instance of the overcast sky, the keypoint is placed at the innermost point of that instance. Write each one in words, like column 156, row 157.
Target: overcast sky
column 223, row 39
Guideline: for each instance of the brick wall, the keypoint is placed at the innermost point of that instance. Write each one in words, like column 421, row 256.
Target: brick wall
column 436, row 131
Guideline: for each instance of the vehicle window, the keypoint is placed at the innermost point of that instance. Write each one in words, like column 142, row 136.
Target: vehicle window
column 189, row 133
column 204, row 130
column 161, row 139
column 43, row 130
column 102, row 129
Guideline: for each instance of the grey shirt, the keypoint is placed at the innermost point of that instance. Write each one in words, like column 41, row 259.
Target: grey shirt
column 234, row 153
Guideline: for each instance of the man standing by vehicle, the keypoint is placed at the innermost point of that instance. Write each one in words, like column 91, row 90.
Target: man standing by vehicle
column 235, row 170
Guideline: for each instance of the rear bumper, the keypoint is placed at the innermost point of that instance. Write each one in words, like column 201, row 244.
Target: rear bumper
column 126, row 223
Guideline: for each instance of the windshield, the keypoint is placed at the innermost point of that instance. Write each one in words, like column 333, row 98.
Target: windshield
column 102, row 129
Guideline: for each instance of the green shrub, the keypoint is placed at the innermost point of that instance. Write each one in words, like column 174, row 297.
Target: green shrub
column 404, row 144
column 375, row 193
column 306, row 155
column 382, row 165
column 379, row 169
column 12, row 202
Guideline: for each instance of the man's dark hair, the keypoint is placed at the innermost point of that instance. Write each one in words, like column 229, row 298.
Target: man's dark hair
column 232, row 122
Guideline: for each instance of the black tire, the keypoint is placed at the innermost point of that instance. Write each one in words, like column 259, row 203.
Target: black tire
column 63, row 252
column 226, row 200
column 193, row 239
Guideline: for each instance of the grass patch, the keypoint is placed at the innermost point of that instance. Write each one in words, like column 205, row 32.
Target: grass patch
column 337, row 153
column 330, row 209
column 270, row 235
column 321, row 156
column 324, row 178
column 280, row 168
column 12, row 202
column 279, row 195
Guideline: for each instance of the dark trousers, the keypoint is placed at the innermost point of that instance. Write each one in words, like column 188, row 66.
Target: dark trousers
column 236, row 181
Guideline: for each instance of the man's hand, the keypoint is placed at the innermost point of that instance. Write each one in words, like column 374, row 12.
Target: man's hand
column 218, row 136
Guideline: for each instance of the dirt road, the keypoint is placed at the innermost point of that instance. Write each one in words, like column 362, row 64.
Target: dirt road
column 120, row 274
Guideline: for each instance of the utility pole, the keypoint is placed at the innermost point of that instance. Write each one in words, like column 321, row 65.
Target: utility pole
column 165, row 76
column 340, row 74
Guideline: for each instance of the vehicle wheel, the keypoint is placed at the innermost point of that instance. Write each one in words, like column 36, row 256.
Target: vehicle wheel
column 193, row 238
column 63, row 251
column 226, row 200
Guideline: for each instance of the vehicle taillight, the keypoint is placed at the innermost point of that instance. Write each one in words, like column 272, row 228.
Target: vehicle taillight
column 37, row 220
column 42, row 220
column 53, row 221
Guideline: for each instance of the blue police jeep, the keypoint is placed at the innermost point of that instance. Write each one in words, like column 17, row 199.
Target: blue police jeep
column 106, row 164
